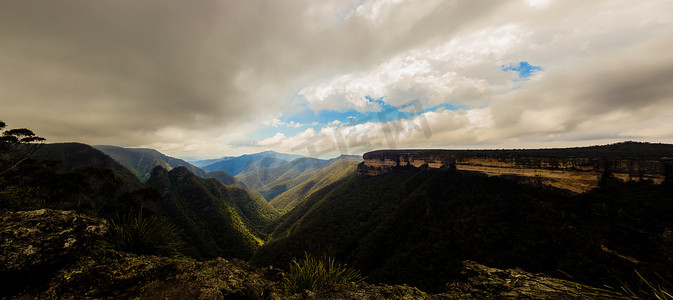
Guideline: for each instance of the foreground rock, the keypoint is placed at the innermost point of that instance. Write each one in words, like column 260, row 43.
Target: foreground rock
column 478, row 282
column 45, row 237
column 115, row 275
column 483, row 282
column 49, row 254
column 34, row 244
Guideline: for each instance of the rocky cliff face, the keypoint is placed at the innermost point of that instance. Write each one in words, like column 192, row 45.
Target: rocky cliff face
column 64, row 243
column 577, row 174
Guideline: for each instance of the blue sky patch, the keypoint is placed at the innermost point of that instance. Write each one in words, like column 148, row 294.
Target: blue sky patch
column 320, row 119
column 524, row 69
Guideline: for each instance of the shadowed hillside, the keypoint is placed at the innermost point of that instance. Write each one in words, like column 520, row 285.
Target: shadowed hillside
column 416, row 225
column 217, row 220
column 70, row 156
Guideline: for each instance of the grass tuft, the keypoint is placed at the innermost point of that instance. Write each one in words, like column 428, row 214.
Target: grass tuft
column 315, row 272
column 649, row 289
column 135, row 234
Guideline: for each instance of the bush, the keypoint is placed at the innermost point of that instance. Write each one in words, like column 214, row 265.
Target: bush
column 316, row 272
column 135, row 234
column 13, row 197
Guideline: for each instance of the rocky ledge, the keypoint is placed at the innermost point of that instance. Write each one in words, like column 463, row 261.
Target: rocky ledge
column 64, row 244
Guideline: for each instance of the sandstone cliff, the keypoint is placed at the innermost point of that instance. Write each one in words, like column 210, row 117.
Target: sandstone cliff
column 574, row 169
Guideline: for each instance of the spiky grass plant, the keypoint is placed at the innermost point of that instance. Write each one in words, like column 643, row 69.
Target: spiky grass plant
column 650, row 290
column 135, row 234
column 315, row 272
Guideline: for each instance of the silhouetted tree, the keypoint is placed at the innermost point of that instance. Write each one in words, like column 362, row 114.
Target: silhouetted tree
column 16, row 145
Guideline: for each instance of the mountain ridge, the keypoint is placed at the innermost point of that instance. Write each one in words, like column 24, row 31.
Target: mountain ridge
column 240, row 165
column 577, row 169
column 273, row 181
column 142, row 161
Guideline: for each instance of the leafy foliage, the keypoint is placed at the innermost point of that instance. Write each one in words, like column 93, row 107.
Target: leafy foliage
column 218, row 220
column 18, row 135
column 630, row 149
column 416, row 226
column 16, row 145
column 13, row 197
column 135, row 234
column 306, row 184
column 271, row 181
column 315, row 272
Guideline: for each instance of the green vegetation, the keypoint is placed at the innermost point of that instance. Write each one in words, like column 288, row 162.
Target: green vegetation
column 416, row 226
column 633, row 150
column 303, row 186
column 15, row 198
column 16, row 145
column 412, row 226
column 217, row 220
column 136, row 234
column 265, row 179
column 314, row 272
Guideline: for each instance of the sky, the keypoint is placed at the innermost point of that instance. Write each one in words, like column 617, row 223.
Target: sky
column 205, row 79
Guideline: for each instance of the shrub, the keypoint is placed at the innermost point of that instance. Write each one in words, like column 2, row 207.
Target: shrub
column 13, row 197
column 316, row 272
column 135, row 234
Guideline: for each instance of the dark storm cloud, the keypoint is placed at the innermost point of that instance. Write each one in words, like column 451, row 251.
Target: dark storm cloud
column 115, row 66
column 119, row 71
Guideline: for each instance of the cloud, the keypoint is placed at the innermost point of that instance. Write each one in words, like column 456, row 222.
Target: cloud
column 123, row 71
column 197, row 79
column 598, row 102
column 274, row 140
column 277, row 123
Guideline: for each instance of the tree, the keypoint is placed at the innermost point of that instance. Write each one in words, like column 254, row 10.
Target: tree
column 16, row 146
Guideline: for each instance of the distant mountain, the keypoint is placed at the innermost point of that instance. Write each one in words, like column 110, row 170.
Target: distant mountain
column 217, row 220
column 416, row 225
column 142, row 161
column 270, row 181
column 241, row 165
column 205, row 162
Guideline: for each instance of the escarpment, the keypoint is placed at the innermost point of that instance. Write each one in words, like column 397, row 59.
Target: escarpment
column 574, row 169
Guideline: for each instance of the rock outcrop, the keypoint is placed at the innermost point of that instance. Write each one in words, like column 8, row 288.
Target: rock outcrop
column 116, row 275
column 482, row 282
column 33, row 244
column 64, row 243
column 556, row 167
